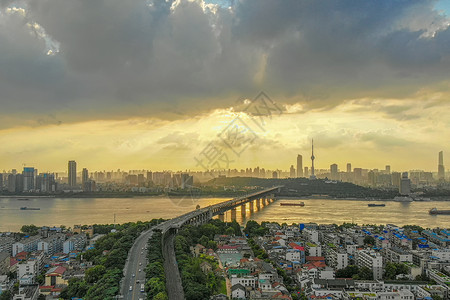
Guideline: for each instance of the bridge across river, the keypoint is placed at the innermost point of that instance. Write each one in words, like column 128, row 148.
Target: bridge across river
column 199, row 216
column 202, row 215
column 129, row 286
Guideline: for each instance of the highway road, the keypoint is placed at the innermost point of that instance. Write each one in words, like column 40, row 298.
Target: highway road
column 134, row 273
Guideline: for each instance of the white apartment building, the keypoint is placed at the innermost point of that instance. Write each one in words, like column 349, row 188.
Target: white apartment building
column 27, row 245
column 337, row 259
column 371, row 260
column 397, row 255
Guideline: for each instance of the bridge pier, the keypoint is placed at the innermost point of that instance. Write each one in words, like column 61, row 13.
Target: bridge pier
column 233, row 214
column 222, row 217
column 243, row 210
column 251, row 207
column 258, row 204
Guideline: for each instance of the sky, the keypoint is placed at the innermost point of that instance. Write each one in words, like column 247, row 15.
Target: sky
column 134, row 84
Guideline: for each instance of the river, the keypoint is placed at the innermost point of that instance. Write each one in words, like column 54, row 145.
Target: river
column 71, row 211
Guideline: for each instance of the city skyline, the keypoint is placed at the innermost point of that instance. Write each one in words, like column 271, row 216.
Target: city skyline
column 293, row 171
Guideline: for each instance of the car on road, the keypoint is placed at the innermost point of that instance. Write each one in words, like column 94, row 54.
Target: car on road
column 140, row 264
column 139, row 270
column 131, row 288
column 133, row 275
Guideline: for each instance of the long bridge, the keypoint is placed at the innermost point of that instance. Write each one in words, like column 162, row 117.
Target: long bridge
column 203, row 215
column 133, row 278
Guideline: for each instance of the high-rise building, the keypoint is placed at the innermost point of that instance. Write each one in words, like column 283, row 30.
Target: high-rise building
column 28, row 179
column 441, row 170
column 299, row 166
column 388, row 169
column 306, row 172
column 358, row 177
column 84, row 176
column 313, row 176
column 292, row 172
column 396, row 177
column 275, row 174
column 72, row 171
column 349, row 167
column 11, row 183
column 334, row 171
column 405, row 184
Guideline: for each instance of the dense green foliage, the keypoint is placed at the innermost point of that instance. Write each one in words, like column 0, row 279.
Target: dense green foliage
column 354, row 272
column 393, row 269
column 257, row 250
column 154, row 272
column 196, row 283
column 6, row 295
column 252, row 229
column 369, row 240
column 303, row 187
column 30, row 229
column 109, row 257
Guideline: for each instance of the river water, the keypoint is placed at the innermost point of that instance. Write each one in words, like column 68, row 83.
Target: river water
column 71, row 211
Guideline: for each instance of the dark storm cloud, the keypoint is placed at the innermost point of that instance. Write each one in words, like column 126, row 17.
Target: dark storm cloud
column 122, row 58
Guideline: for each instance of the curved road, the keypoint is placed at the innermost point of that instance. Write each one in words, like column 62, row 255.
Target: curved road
column 173, row 280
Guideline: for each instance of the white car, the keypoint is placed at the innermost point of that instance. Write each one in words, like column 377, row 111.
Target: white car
column 139, row 270
column 131, row 288
column 133, row 275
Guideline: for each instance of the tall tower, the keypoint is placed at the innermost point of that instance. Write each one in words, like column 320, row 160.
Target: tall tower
column 441, row 170
column 312, row 160
column 299, row 166
column 72, row 171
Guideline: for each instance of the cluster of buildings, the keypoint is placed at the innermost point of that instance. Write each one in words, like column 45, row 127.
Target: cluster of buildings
column 29, row 180
column 247, row 277
column 43, row 263
column 313, row 254
column 370, row 177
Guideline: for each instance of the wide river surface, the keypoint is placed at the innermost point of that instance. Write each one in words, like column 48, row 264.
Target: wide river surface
column 71, row 211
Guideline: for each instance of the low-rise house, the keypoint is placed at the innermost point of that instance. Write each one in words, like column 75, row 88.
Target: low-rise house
column 54, row 276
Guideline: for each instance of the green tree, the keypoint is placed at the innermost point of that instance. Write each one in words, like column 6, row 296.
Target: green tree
column 204, row 240
column 93, row 274
column 393, row 269
column 161, row 296
column 365, row 273
column 229, row 231
column 30, row 229
column 6, row 295
column 347, row 272
column 369, row 240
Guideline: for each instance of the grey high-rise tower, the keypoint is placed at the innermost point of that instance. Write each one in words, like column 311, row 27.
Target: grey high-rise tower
column 441, row 169
column 72, row 171
column 312, row 160
column 299, row 166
